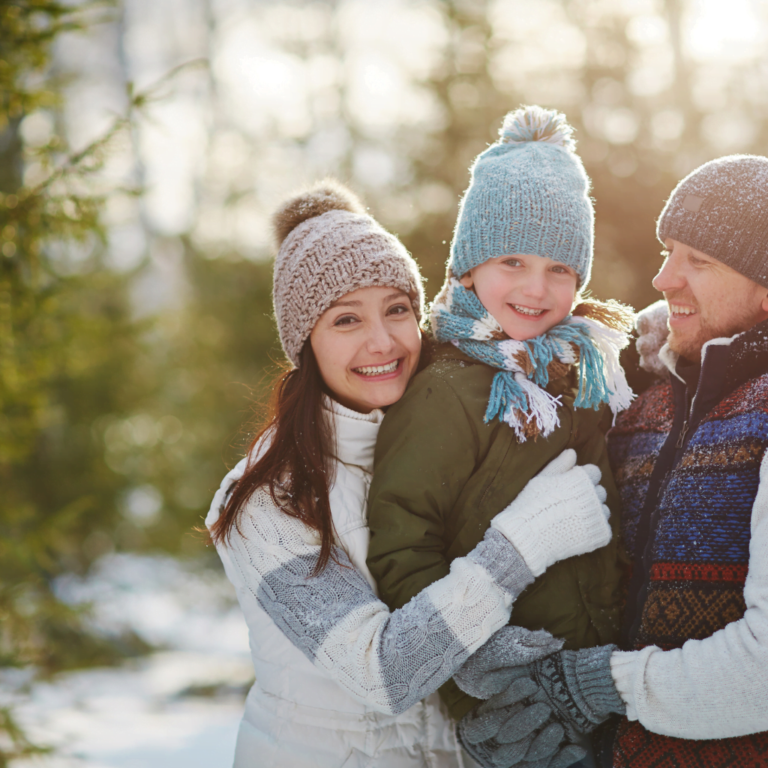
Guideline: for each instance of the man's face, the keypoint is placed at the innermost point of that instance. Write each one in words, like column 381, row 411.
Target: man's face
column 707, row 299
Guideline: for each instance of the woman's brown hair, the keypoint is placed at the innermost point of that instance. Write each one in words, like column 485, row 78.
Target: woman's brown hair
column 295, row 465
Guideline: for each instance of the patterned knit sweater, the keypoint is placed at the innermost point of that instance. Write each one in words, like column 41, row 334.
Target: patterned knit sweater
column 688, row 467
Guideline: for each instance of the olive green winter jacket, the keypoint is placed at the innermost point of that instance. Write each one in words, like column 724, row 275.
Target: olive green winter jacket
column 441, row 474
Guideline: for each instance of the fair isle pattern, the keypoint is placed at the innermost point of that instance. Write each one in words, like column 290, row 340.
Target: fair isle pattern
column 633, row 447
column 636, row 747
column 700, row 553
column 517, row 394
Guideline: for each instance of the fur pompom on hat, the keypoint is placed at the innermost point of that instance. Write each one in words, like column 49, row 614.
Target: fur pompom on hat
column 528, row 193
column 328, row 247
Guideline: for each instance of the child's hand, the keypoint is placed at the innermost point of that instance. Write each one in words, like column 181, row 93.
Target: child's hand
column 560, row 513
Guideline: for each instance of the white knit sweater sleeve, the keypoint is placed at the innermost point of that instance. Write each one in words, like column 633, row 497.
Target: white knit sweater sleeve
column 713, row 688
column 387, row 660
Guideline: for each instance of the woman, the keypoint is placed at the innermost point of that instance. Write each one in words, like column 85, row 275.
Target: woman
column 339, row 679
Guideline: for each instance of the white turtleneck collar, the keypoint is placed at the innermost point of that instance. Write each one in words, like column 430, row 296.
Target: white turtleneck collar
column 355, row 433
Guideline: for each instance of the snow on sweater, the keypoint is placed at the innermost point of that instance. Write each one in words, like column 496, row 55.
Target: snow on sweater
column 716, row 687
column 713, row 688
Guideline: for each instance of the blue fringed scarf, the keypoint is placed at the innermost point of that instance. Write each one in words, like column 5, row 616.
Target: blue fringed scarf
column 517, row 394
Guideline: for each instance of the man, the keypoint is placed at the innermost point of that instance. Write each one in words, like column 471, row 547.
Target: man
column 689, row 458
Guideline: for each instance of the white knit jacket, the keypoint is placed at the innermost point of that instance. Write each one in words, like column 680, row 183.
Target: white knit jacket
column 340, row 679
column 717, row 687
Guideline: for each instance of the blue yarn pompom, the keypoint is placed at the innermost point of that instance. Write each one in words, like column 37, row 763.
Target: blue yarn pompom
column 537, row 124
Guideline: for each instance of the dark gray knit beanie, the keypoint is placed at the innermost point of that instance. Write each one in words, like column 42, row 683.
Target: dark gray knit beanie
column 721, row 209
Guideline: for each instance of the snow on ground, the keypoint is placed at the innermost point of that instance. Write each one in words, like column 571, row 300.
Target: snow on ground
column 177, row 707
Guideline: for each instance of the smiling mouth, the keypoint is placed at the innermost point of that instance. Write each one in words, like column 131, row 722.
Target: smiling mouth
column 681, row 311
column 529, row 311
column 377, row 370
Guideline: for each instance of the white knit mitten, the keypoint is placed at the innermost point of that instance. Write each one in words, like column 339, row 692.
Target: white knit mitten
column 560, row 513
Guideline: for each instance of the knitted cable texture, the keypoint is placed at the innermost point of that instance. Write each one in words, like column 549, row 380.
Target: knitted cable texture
column 517, row 393
column 388, row 660
column 329, row 247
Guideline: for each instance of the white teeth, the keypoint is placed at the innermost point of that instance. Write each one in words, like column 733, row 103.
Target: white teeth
column 676, row 309
column 528, row 310
column 377, row 370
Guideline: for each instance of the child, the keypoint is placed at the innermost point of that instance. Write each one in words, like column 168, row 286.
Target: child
column 527, row 374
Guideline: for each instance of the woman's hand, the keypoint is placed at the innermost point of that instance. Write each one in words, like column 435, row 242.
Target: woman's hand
column 560, row 513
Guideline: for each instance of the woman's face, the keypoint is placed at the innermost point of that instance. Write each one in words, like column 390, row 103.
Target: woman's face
column 367, row 346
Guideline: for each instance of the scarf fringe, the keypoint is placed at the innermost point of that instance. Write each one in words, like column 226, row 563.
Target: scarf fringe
column 611, row 313
column 609, row 342
column 592, row 337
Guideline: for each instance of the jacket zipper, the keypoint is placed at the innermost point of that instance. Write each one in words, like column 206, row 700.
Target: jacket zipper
column 647, row 552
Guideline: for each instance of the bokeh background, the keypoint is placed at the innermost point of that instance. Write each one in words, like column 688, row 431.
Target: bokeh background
column 143, row 145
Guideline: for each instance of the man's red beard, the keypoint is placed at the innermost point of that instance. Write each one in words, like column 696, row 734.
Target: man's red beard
column 689, row 345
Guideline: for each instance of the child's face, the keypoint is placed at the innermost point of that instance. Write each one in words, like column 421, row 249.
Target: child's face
column 527, row 294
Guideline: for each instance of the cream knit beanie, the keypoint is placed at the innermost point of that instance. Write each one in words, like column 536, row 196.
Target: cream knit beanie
column 328, row 247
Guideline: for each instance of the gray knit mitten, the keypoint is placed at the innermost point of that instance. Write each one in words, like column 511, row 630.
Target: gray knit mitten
column 504, row 658
column 499, row 735
column 579, row 687
column 537, row 714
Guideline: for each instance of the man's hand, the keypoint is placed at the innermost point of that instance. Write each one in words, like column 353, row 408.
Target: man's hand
column 505, row 731
column 536, row 712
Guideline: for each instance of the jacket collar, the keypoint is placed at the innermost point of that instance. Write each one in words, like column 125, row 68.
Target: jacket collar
column 355, row 433
column 748, row 356
column 729, row 361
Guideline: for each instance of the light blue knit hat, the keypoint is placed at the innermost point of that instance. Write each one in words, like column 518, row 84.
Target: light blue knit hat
column 529, row 193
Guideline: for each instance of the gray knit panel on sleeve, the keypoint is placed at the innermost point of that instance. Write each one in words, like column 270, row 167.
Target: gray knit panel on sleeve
column 306, row 607
column 417, row 651
column 503, row 562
